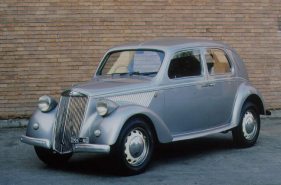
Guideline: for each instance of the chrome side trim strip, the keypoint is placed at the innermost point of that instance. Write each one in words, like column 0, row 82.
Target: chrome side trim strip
column 45, row 143
column 92, row 148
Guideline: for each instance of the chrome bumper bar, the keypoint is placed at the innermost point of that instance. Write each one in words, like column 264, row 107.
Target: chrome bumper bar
column 45, row 143
column 92, row 148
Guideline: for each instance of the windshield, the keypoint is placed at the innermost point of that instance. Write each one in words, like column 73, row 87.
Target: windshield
column 132, row 62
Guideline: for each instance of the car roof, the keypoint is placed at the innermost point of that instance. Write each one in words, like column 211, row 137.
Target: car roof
column 170, row 44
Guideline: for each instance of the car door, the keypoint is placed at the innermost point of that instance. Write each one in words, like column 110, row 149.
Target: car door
column 221, row 86
column 186, row 98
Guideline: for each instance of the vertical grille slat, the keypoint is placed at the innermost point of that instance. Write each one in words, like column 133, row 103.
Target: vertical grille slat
column 70, row 116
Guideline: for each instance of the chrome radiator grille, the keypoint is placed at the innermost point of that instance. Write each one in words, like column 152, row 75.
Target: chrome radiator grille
column 68, row 122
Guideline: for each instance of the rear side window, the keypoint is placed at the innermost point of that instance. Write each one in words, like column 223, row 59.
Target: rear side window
column 217, row 62
column 185, row 64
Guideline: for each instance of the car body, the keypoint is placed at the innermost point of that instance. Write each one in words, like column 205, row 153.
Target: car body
column 145, row 93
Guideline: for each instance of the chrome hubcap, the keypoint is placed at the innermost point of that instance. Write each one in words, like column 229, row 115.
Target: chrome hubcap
column 136, row 147
column 249, row 125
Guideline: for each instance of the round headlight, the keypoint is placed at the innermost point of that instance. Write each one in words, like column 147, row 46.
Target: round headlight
column 105, row 107
column 46, row 103
column 102, row 108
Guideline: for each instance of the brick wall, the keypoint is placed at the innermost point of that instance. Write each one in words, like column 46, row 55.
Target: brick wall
column 47, row 46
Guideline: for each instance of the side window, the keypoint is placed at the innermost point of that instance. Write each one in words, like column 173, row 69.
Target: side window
column 217, row 62
column 184, row 64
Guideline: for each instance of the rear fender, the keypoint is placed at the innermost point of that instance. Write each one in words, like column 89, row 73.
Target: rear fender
column 244, row 91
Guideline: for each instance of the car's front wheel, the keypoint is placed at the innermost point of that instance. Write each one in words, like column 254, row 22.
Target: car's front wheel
column 247, row 132
column 50, row 158
column 134, row 147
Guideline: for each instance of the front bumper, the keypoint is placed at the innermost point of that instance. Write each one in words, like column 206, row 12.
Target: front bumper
column 45, row 143
column 91, row 148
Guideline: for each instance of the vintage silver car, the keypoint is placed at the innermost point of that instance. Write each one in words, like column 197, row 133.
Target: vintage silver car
column 147, row 93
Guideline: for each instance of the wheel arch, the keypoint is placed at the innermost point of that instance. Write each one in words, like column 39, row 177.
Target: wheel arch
column 246, row 93
column 256, row 100
column 112, row 125
column 147, row 120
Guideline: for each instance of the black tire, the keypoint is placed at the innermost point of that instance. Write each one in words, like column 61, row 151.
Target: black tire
column 247, row 132
column 133, row 159
column 50, row 158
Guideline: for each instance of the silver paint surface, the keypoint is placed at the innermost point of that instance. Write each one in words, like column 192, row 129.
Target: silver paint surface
column 143, row 99
column 178, row 109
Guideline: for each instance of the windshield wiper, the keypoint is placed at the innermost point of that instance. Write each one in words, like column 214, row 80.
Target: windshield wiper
column 142, row 74
column 126, row 74
column 119, row 74
column 149, row 73
column 134, row 73
column 137, row 73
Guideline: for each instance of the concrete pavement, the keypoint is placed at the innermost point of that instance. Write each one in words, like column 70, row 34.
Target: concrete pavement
column 211, row 160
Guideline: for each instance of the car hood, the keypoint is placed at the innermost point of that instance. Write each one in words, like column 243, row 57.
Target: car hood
column 106, row 87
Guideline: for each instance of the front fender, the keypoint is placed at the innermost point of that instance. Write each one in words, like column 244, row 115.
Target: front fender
column 111, row 125
column 45, row 122
column 243, row 92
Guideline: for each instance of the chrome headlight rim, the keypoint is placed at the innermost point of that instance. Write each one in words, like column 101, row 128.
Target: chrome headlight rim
column 105, row 107
column 46, row 103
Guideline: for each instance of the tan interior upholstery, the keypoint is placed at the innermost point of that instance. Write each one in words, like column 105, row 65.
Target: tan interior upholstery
column 121, row 64
column 220, row 63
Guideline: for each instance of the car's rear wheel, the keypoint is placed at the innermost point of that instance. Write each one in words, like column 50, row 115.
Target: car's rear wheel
column 50, row 158
column 247, row 132
column 134, row 147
